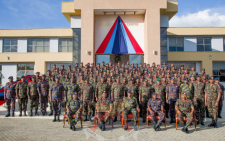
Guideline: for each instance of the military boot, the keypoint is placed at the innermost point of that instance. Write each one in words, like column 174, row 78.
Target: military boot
column 73, row 127
column 219, row 115
column 144, row 119
column 36, row 112
column 115, row 119
column 215, row 124
column 171, row 119
column 24, row 113
column 13, row 113
column 51, row 113
column 85, row 118
column 167, row 116
column 20, row 113
column 54, row 118
column 202, row 123
column 103, row 126
column 31, row 113
column 89, row 118
column 100, row 126
column 135, row 125
column 58, row 118
column 8, row 114
column 186, row 130
column 126, row 125
column 212, row 124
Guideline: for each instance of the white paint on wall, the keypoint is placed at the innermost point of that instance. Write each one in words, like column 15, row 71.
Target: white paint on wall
column 9, row 69
column 190, row 43
column 22, row 45
column 217, row 43
column 76, row 21
column 197, row 67
column 104, row 23
column 1, row 45
column 164, row 21
column 54, row 45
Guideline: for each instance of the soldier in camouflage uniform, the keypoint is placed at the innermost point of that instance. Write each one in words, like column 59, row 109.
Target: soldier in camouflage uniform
column 10, row 96
column 130, row 105
column 87, row 95
column 100, row 88
column 53, row 70
column 74, row 106
column 187, row 88
column 33, row 95
column 117, row 92
column 199, row 99
column 144, row 96
column 50, row 82
column 212, row 98
column 21, row 92
column 155, row 106
column 43, row 89
column 182, row 107
column 221, row 98
column 172, row 94
column 104, row 109
column 133, row 87
column 56, row 91
column 160, row 91
column 70, row 88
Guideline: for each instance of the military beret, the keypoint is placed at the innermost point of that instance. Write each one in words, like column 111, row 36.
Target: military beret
column 217, row 78
column 171, row 78
column 168, row 72
column 111, row 71
column 211, row 78
column 185, row 78
column 203, row 69
column 182, row 73
column 88, row 63
column 129, row 91
column 10, row 77
column 198, row 75
column 192, row 75
column 183, row 93
column 153, row 93
column 165, row 65
column 33, row 77
column 75, row 93
column 62, row 65
column 37, row 72
column 182, row 66
column 158, row 79
column 57, row 77
column 22, row 76
column 146, row 80
column 158, row 65
column 92, row 63
column 43, row 75
column 48, row 70
column 149, row 71
column 65, row 73
column 118, row 77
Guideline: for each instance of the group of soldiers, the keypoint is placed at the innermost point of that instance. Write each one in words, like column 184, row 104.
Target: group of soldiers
column 107, row 90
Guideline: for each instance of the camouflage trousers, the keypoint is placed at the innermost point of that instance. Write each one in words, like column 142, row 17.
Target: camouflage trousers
column 73, row 121
column 34, row 103
column 172, row 103
column 220, row 106
column 157, row 113
column 43, row 103
column 199, row 105
column 22, row 103
column 117, row 106
column 103, row 116
column 12, row 102
column 185, row 114
column 50, row 104
column 212, row 109
column 143, row 108
column 132, row 111
column 87, row 106
column 56, row 104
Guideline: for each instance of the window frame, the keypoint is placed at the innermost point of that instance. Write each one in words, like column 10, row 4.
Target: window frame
column 10, row 46
column 218, row 69
column 25, row 70
column 67, row 46
column 176, row 44
column 203, row 44
column 34, row 47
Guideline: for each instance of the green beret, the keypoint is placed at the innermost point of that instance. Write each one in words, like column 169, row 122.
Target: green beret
column 158, row 79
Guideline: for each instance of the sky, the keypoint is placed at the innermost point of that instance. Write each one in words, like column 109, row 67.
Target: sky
column 23, row 14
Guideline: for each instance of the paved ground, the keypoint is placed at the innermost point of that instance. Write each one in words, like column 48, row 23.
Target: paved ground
column 42, row 128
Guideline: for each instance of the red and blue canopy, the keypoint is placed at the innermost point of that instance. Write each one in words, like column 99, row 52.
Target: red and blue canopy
column 119, row 41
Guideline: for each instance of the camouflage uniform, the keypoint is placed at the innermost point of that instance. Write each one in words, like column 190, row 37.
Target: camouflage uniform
column 87, row 93
column 145, row 92
column 134, row 90
column 33, row 95
column 43, row 87
column 199, row 100
column 155, row 106
column 70, row 88
column 22, row 87
column 74, row 105
column 130, row 105
column 212, row 95
column 10, row 95
column 160, row 91
column 57, row 96
column 104, row 106
column 221, row 100
column 184, row 106
column 100, row 88
column 173, row 95
column 117, row 90
column 50, row 82
column 188, row 89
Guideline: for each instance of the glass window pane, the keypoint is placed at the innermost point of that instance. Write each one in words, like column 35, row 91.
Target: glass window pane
column 13, row 48
column 208, row 48
column 207, row 41
column 6, row 49
column 172, row 48
column 62, row 42
column 101, row 58
column 222, row 78
column 180, row 41
column 215, row 72
column 135, row 59
column 6, row 42
column 215, row 66
column 20, row 73
column 70, row 49
column 21, row 67
column 30, row 49
column 163, row 50
column 29, row 66
column 180, row 49
column 39, row 42
column 30, row 41
column 199, row 40
column 46, row 42
column 29, row 72
column 172, row 41
column 200, row 48
column 13, row 41
column 39, row 49
column 69, row 42
column 221, row 65
column 62, row 49
column 46, row 49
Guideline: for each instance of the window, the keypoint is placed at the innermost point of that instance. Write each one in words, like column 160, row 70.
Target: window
column 10, row 45
column 176, row 44
column 204, row 44
column 101, row 58
column 219, row 70
column 58, row 65
column 135, row 59
column 223, row 43
column 38, row 45
column 65, row 44
column 24, row 69
column 0, row 75
column 187, row 65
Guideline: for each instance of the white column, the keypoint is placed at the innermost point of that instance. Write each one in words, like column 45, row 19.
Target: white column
column 190, row 44
column 22, row 45
column 217, row 43
column 1, row 45
column 197, row 67
column 54, row 45
column 9, row 69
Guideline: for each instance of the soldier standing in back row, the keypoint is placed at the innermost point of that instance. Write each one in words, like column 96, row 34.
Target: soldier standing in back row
column 33, row 95
column 221, row 98
column 21, row 92
column 10, row 96
column 187, row 88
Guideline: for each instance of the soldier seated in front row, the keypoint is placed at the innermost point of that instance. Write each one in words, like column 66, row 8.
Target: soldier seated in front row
column 182, row 107
column 130, row 105
column 74, row 106
column 155, row 107
column 104, row 108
